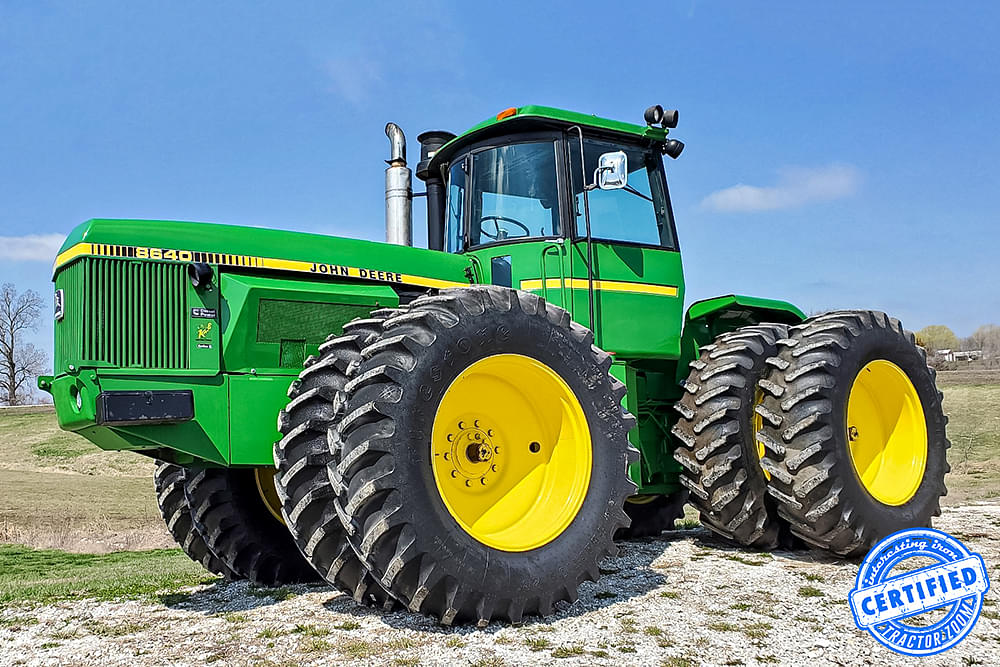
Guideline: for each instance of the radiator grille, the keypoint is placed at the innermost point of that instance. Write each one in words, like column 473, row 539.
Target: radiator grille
column 134, row 313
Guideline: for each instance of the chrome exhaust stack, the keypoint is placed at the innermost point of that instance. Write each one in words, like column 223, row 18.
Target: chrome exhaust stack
column 398, row 190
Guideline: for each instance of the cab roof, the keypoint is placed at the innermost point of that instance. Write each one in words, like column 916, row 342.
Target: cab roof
column 519, row 118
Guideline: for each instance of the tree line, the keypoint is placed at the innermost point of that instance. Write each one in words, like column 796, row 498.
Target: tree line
column 939, row 337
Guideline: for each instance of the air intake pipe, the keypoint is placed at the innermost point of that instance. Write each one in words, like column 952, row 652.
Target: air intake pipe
column 398, row 190
column 430, row 142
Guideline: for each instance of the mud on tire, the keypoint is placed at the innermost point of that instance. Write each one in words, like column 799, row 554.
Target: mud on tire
column 717, row 449
column 168, row 480
column 806, row 437
column 387, row 494
column 303, row 454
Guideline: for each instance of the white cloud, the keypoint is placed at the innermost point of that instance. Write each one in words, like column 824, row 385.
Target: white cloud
column 354, row 77
column 31, row 247
column 796, row 186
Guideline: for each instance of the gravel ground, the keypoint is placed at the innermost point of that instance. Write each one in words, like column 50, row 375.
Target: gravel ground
column 678, row 600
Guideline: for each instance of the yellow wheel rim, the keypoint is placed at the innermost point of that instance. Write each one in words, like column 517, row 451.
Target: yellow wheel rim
column 886, row 432
column 757, row 423
column 268, row 493
column 511, row 452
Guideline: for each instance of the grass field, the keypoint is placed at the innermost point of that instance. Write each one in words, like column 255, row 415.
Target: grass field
column 46, row 575
column 60, row 494
column 974, row 430
column 60, row 491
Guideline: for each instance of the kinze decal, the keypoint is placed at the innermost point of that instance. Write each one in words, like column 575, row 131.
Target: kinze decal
column 204, row 330
column 247, row 261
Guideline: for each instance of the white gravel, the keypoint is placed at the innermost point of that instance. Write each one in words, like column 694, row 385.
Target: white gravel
column 681, row 599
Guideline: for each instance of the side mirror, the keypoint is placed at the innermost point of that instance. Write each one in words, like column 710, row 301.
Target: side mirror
column 612, row 171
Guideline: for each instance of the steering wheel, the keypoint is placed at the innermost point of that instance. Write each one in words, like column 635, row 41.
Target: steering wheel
column 497, row 219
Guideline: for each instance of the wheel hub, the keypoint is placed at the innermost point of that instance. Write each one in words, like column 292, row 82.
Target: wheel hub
column 473, row 455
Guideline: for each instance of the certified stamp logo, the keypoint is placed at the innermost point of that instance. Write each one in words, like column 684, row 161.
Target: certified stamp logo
column 893, row 588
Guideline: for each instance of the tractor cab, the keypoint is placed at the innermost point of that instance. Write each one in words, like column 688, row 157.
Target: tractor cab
column 569, row 206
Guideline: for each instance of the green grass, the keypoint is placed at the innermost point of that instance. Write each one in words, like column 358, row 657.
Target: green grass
column 46, row 575
column 30, row 439
column 568, row 652
column 537, row 643
column 347, row 625
column 810, row 592
column 62, row 448
column 974, row 430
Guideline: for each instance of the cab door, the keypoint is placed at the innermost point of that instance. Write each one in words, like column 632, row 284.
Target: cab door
column 636, row 285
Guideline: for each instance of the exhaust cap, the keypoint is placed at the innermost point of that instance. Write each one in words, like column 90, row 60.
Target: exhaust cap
column 398, row 190
column 430, row 142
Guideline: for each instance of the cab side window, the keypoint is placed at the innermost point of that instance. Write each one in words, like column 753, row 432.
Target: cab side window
column 454, row 207
column 638, row 214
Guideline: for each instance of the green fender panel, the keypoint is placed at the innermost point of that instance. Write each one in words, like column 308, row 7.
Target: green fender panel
column 708, row 318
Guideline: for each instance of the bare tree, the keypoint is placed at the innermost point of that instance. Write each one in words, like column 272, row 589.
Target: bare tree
column 20, row 362
column 987, row 339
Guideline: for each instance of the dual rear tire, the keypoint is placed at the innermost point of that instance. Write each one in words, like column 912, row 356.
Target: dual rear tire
column 830, row 432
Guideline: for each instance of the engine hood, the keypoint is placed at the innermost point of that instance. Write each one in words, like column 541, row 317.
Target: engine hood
column 264, row 249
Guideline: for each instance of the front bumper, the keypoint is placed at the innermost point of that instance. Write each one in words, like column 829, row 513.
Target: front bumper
column 226, row 419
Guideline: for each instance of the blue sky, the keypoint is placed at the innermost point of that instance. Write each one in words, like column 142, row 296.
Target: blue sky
column 838, row 155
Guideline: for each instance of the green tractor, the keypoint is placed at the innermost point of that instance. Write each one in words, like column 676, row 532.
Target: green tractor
column 464, row 430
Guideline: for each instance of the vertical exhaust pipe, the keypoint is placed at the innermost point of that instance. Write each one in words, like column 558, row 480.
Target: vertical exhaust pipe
column 398, row 190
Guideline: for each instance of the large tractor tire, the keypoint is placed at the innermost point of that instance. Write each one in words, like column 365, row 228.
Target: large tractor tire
column 237, row 512
column 853, row 431
column 303, row 454
column 651, row 516
column 168, row 480
column 716, row 432
column 484, row 456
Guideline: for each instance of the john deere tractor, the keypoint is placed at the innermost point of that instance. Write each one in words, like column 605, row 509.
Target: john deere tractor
column 463, row 430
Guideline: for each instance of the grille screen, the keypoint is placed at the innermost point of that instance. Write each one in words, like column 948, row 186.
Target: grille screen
column 133, row 313
column 283, row 320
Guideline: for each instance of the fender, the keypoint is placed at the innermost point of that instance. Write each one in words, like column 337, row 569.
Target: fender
column 708, row 318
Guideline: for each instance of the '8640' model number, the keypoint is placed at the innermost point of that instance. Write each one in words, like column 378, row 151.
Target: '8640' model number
column 164, row 253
